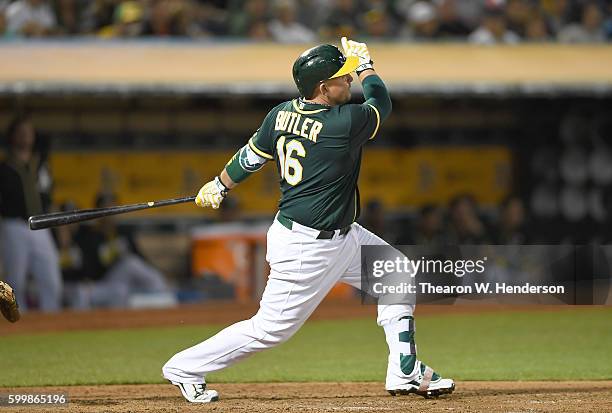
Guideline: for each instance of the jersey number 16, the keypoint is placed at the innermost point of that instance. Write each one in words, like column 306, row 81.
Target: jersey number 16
column 290, row 167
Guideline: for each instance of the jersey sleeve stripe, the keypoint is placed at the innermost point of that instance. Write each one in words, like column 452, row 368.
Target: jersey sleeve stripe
column 377, row 121
column 259, row 151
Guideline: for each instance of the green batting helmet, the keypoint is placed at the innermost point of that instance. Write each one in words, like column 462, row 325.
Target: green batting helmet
column 320, row 63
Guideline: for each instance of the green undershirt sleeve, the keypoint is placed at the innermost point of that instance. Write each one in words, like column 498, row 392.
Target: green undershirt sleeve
column 376, row 95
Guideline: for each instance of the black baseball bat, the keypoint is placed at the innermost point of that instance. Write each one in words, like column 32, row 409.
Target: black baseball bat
column 70, row 217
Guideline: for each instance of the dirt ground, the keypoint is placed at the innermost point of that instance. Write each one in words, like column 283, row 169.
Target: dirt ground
column 336, row 397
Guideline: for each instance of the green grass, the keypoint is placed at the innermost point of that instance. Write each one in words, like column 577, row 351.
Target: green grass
column 522, row 346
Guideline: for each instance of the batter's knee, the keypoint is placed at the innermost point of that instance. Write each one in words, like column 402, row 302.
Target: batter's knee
column 168, row 370
column 273, row 333
column 165, row 369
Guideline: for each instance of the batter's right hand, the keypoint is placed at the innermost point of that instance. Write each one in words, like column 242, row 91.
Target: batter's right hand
column 211, row 194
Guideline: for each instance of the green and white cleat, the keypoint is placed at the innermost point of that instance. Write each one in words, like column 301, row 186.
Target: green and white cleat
column 428, row 384
column 197, row 393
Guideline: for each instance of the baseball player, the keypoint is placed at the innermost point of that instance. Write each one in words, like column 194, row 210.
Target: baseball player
column 316, row 142
column 25, row 252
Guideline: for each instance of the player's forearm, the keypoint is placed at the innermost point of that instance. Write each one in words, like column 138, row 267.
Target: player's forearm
column 227, row 180
column 233, row 173
column 364, row 74
column 375, row 92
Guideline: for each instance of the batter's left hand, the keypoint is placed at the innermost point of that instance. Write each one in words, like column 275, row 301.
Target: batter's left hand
column 360, row 50
column 211, row 194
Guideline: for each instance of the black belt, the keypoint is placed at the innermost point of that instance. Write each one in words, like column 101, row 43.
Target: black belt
column 287, row 223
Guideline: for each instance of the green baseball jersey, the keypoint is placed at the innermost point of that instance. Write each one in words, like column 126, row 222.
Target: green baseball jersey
column 317, row 150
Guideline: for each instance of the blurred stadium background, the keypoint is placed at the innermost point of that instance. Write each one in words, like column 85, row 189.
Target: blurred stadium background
column 500, row 131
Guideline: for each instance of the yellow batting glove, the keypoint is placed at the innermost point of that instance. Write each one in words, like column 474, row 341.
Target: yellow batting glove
column 360, row 50
column 211, row 194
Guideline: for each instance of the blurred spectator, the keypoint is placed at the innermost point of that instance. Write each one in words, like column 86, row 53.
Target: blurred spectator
column 536, row 29
column 284, row 28
column 112, row 266
column 377, row 20
column 511, row 226
column 210, row 17
column 451, row 24
column 465, row 226
column 607, row 26
column 68, row 16
column 343, row 20
column 170, row 18
column 422, row 22
column 70, row 256
column 98, row 14
column 3, row 32
column 588, row 30
column 247, row 18
column 377, row 24
column 470, row 12
column 128, row 21
column 31, row 18
column 493, row 29
column 318, row 11
column 258, row 30
column 381, row 5
column 42, row 150
column 429, row 229
column 518, row 13
column 25, row 251
column 374, row 219
column 556, row 12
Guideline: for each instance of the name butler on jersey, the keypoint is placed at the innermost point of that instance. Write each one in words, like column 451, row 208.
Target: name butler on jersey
column 297, row 125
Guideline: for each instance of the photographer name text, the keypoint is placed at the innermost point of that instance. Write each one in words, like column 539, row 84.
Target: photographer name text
column 477, row 288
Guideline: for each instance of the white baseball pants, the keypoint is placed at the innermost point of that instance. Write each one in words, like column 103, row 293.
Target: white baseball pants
column 303, row 269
